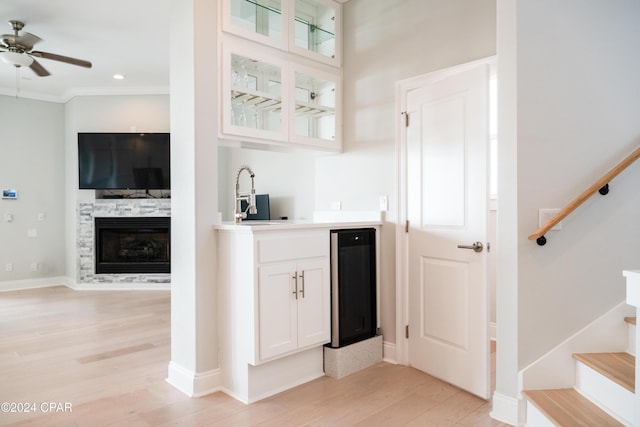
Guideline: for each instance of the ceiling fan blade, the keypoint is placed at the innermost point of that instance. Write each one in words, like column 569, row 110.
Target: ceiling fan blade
column 39, row 69
column 66, row 59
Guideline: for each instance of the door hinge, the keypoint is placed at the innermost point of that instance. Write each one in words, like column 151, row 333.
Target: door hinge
column 406, row 118
column 406, row 226
column 406, row 331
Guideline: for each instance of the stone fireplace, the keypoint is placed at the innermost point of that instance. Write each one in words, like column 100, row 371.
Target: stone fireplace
column 138, row 258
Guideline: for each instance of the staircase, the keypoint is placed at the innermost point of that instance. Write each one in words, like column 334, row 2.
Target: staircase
column 604, row 393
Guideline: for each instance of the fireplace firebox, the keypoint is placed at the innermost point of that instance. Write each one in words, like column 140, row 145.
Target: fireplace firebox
column 133, row 245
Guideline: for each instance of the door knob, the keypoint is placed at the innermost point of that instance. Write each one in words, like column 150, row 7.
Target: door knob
column 477, row 247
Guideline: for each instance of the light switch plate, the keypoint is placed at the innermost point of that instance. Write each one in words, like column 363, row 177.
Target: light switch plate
column 384, row 203
column 545, row 215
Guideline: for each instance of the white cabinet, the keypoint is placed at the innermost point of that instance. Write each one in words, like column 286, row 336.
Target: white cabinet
column 270, row 96
column 293, row 306
column 293, row 292
column 276, row 291
column 281, row 73
column 310, row 28
column 274, row 308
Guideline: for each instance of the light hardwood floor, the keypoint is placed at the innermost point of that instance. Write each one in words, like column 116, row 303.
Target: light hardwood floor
column 104, row 354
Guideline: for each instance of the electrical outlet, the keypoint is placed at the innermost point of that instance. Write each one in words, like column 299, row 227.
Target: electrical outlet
column 33, row 266
column 545, row 215
column 8, row 267
column 32, row 232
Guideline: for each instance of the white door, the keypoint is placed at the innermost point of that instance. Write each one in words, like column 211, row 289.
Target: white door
column 446, row 205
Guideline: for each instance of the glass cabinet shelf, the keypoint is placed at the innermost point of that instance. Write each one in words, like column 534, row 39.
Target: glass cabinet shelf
column 313, row 111
column 267, row 102
column 322, row 35
column 262, row 17
column 261, row 100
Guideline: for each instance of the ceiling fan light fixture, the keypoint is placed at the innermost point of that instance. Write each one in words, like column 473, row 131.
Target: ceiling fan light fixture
column 16, row 59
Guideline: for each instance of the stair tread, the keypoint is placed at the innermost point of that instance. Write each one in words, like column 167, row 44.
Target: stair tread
column 567, row 407
column 630, row 320
column 618, row 367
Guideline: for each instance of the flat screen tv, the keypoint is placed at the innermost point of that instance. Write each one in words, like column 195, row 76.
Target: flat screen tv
column 119, row 161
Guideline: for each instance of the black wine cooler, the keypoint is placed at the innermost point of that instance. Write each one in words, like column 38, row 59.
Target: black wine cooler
column 353, row 286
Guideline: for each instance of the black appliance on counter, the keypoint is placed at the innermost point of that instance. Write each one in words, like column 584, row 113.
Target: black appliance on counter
column 262, row 206
column 353, row 286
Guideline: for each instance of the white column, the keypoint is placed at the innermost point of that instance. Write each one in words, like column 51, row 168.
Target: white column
column 193, row 98
column 507, row 407
column 633, row 298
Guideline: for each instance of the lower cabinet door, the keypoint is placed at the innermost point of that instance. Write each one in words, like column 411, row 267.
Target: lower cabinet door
column 294, row 306
column 277, row 306
column 314, row 310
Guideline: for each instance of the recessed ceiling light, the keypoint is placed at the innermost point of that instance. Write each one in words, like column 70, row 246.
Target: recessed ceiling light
column 118, row 77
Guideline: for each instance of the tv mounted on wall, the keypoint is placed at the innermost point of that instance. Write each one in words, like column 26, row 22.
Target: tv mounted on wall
column 120, row 161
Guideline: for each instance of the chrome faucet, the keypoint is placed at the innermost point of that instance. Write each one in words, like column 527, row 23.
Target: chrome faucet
column 249, row 198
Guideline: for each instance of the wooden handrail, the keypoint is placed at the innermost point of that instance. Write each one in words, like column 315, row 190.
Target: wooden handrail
column 601, row 185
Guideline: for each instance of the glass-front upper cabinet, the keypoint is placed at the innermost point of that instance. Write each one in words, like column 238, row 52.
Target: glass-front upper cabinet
column 259, row 20
column 268, row 97
column 253, row 96
column 314, row 119
column 316, row 25
column 309, row 28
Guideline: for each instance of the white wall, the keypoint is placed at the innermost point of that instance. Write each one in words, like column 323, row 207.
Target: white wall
column 578, row 103
column 32, row 162
column 120, row 113
column 288, row 178
column 387, row 41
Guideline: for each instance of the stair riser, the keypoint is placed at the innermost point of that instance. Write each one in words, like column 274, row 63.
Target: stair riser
column 614, row 399
column 535, row 418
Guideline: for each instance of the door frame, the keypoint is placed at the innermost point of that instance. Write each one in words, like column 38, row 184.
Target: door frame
column 402, row 241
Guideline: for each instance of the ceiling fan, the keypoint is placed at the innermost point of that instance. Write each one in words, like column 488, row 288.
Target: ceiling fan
column 17, row 49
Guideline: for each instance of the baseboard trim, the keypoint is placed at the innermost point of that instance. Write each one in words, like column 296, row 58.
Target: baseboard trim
column 44, row 282
column 506, row 409
column 194, row 384
column 389, row 352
